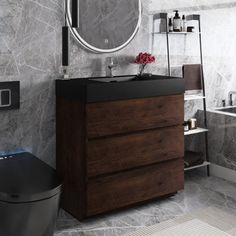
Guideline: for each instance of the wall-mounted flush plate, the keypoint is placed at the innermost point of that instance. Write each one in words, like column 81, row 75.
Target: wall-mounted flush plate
column 9, row 95
column 5, row 97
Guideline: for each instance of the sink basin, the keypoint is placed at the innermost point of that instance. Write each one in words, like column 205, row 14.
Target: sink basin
column 113, row 79
column 125, row 78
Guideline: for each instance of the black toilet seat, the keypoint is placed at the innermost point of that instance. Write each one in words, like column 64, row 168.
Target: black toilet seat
column 25, row 178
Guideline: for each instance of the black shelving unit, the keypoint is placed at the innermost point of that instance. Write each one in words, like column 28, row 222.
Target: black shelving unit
column 164, row 17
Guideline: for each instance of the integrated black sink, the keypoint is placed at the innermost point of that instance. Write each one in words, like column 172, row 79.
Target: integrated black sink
column 119, row 87
column 126, row 78
column 114, row 79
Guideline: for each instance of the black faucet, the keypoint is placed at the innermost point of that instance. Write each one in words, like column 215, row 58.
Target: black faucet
column 231, row 97
column 223, row 103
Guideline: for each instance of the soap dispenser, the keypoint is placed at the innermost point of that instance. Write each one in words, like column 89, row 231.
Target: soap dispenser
column 176, row 22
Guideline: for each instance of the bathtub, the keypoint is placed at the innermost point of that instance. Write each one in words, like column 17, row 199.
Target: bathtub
column 230, row 110
column 221, row 136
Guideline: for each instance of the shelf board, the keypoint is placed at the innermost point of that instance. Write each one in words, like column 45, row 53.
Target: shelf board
column 195, row 131
column 205, row 163
column 190, row 97
column 164, row 15
column 181, row 33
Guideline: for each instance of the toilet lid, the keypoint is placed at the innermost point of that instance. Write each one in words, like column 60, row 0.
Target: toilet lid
column 25, row 178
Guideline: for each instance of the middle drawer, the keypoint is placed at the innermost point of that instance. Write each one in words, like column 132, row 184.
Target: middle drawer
column 117, row 153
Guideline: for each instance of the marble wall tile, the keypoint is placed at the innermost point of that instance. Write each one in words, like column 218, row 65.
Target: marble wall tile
column 221, row 139
column 30, row 51
column 32, row 127
column 163, row 5
column 219, row 47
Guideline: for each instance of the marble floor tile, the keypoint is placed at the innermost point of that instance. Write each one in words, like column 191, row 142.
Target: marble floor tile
column 232, row 232
column 200, row 192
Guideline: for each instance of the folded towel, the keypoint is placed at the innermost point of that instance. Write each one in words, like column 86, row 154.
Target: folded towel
column 193, row 158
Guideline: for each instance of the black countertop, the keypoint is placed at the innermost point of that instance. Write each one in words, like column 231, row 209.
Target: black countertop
column 95, row 90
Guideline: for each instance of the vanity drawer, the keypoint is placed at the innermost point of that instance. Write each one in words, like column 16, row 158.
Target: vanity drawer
column 116, row 153
column 117, row 117
column 120, row 190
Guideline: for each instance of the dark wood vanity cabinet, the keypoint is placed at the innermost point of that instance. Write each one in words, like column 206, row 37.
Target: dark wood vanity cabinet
column 115, row 153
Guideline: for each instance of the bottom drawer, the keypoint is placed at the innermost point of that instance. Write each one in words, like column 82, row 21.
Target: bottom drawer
column 123, row 189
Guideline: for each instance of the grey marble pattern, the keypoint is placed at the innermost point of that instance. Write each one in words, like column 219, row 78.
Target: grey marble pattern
column 32, row 127
column 30, row 51
column 222, row 138
column 200, row 192
column 190, row 5
column 219, row 46
column 211, row 215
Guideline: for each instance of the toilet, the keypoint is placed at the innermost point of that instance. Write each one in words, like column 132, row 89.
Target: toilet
column 29, row 196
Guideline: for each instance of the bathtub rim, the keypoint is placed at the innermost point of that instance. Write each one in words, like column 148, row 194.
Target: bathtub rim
column 217, row 110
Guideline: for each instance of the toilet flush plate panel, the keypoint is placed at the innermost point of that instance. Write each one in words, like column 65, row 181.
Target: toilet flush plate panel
column 9, row 95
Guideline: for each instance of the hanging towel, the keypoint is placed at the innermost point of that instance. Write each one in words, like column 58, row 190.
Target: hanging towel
column 192, row 74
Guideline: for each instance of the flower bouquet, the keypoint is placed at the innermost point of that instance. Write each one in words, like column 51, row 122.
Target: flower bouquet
column 143, row 59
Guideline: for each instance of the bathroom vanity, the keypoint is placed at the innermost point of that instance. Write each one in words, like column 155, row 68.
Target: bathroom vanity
column 119, row 143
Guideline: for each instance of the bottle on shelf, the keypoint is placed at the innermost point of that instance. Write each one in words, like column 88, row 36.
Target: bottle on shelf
column 184, row 24
column 176, row 22
column 170, row 25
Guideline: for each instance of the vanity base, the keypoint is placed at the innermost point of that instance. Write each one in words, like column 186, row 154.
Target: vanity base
column 119, row 153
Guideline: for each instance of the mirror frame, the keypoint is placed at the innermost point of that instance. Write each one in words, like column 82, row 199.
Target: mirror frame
column 92, row 48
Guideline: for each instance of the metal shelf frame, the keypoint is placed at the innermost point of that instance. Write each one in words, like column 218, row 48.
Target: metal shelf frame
column 192, row 17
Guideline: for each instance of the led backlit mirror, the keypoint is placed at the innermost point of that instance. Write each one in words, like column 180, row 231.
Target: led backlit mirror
column 106, row 25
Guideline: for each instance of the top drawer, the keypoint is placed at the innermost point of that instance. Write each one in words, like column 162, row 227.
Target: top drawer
column 118, row 117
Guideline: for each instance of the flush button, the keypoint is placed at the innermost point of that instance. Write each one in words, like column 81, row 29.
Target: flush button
column 5, row 97
column 9, row 95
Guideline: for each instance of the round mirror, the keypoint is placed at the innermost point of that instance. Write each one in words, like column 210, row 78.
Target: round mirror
column 106, row 26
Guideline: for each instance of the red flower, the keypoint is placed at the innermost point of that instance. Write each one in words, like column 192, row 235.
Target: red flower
column 144, row 58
